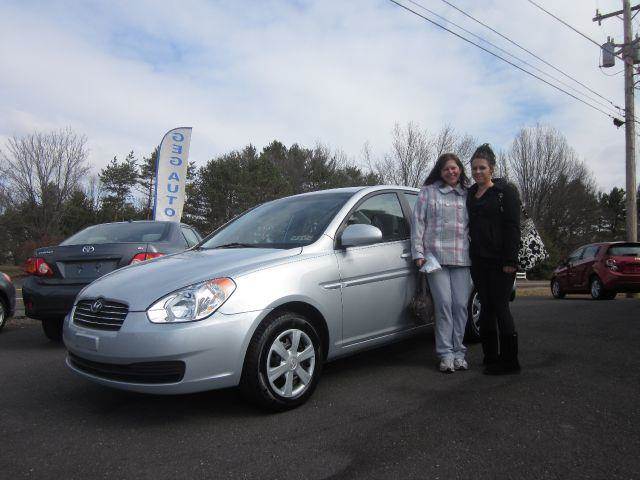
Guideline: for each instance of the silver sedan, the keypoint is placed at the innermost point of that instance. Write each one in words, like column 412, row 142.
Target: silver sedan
column 261, row 303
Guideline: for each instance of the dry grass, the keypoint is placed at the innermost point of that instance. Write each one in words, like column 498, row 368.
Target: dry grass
column 12, row 270
column 533, row 292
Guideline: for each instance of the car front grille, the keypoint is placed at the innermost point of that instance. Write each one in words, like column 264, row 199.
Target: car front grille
column 106, row 316
column 146, row 372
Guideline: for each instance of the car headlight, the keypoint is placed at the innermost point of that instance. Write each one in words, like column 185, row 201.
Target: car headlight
column 192, row 303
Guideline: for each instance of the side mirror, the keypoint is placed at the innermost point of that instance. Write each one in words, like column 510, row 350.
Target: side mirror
column 356, row 235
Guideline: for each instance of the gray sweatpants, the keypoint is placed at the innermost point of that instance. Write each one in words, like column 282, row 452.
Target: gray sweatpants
column 450, row 289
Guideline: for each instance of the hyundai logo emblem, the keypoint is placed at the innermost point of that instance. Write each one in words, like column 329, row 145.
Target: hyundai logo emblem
column 88, row 249
column 97, row 306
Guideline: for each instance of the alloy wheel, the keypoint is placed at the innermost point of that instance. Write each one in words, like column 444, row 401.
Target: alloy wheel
column 596, row 288
column 475, row 311
column 290, row 363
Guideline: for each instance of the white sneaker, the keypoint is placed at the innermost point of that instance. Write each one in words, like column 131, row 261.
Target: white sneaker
column 460, row 364
column 446, row 365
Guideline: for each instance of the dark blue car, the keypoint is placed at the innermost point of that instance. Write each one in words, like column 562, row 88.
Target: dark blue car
column 57, row 274
column 7, row 299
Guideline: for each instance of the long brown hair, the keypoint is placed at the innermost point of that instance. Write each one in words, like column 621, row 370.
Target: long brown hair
column 435, row 174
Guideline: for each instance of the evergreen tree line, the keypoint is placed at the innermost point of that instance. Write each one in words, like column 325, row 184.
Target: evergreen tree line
column 124, row 189
column 47, row 192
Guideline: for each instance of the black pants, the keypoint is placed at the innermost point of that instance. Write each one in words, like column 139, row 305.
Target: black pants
column 494, row 290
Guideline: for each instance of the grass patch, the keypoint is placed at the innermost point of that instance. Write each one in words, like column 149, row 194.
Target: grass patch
column 533, row 292
column 12, row 270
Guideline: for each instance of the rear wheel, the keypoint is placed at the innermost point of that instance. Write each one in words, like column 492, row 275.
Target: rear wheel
column 52, row 328
column 597, row 290
column 283, row 363
column 556, row 291
column 472, row 332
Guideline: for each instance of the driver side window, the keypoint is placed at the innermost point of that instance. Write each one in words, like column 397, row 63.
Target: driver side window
column 575, row 256
column 384, row 212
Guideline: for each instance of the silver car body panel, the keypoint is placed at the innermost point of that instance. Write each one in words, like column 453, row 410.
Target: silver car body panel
column 362, row 293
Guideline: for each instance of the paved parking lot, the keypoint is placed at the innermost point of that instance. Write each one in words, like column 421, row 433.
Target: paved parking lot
column 574, row 412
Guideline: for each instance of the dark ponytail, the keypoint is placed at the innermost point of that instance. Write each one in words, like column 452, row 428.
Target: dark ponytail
column 485, row 152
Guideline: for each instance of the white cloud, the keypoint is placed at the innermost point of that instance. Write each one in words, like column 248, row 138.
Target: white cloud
column 301, row 71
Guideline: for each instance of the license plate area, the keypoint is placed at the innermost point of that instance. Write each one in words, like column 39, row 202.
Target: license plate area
column 92, row 269
column 86, row 342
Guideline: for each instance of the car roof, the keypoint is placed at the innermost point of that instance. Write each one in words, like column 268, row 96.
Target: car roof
column 353, row 190
column 144, row 221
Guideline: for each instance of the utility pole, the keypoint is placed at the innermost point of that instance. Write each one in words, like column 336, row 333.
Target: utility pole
column 629, row 55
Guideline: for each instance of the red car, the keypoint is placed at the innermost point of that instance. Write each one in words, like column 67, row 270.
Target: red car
column 601, row 269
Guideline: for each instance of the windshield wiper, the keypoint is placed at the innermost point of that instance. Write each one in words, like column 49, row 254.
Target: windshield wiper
column 236, row 245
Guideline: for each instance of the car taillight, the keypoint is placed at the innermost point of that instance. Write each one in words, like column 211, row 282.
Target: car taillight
column 611, row 264
column 141, row 257
column 38, row 267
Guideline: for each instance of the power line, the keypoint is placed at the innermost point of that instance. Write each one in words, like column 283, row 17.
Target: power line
column 565, row 23
column 610, row 74
column 572, row 28
column 530, row 53
column 502, row 58
column 516, row 57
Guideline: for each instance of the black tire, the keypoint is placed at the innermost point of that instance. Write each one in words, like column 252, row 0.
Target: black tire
column 52, row 328
column 255, row 384
column 597, row 289
column 556, row 291
column 472, row 331
column 4, row 313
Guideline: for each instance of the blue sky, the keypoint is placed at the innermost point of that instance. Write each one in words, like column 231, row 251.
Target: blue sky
column 340, row 73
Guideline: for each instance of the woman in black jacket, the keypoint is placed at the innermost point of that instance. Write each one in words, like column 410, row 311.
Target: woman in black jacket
column 494, row 231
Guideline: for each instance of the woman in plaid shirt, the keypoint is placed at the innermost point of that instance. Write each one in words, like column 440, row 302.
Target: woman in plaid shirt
column 440, row 238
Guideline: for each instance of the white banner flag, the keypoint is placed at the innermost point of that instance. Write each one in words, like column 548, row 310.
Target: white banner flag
column 171, row 174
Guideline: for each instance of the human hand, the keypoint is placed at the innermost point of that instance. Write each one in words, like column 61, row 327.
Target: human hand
column 508, row 269
column 420, row 262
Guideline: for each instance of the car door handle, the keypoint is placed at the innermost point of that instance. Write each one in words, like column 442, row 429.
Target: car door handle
column 406, row 255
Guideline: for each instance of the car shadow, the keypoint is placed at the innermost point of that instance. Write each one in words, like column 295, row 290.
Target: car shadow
column 122, row 407
column 414, row 351
column 584, row 297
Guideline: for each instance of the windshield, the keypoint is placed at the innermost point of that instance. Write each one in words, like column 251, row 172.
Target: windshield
column 285, row 223
column 629, row 249
column 120, row 233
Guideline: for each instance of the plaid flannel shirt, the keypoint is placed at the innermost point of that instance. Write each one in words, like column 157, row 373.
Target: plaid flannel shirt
column 440, row 225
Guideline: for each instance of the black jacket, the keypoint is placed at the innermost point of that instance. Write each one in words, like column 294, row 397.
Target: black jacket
column 494, row 224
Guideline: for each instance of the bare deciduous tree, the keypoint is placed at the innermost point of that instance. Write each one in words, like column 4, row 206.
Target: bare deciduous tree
column 42, row 170
column 556, row 186
column 415, row 151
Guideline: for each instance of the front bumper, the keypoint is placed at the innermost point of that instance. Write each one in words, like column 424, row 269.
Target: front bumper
column 211, row 351
column 48, row 300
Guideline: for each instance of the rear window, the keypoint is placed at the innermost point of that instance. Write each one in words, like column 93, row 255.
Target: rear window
column 120, row 233
column 625, row 250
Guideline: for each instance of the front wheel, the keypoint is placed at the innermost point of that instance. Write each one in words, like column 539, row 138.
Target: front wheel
column 52, row 328
column 283, row 363
column 556, row 291
column 4, row 313
column 472, row 332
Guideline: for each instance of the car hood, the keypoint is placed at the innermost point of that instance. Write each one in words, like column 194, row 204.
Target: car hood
column 142, row 284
